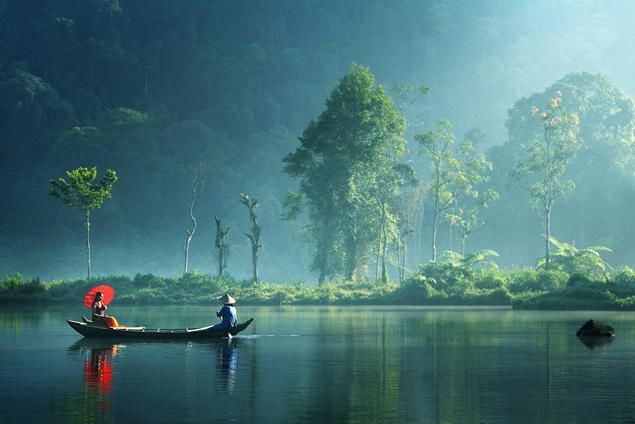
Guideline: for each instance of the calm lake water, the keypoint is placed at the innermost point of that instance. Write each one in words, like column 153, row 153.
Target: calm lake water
column 312, row 364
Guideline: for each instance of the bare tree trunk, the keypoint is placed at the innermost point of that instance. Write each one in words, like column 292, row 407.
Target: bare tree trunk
column 399, row 255
column 254, row 236
column 254, row 258
column 463, row 238
column 221, row 245
column 188, row 238
column 377, row 256
column 403, row 248
column 382, row 243
column 384, row 271
column 548, row 203
column 322, row 276
column 198, row 181
column 547, row 234
column 403, row 266
column 322, row 256
column 435, row 224
column 221, row 261
column 254, row 261
column 87, row 223
column 351, row 257
column 380, row 235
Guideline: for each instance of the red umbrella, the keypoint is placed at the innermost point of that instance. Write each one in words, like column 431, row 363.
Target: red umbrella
column 109, row 294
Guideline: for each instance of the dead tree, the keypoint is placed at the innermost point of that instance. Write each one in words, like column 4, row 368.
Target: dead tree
column 222, row 243
column 198, row 181
column 254, row 236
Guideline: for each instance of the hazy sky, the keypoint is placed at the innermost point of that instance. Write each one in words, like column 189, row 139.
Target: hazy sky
column 508, row 50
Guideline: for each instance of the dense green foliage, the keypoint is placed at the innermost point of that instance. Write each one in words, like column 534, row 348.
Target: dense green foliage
column 349, row 171
column 453, row 281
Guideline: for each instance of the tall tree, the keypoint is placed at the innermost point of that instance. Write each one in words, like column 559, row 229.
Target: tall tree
column 78, row 191
column 408, row 205
column 470, row 195
column 436, row 144
column 598, row 209
column 343, row 159
column 254, row 237
column 546, row 159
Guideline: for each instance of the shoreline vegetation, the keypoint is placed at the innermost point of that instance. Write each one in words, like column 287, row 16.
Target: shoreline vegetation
column 431, row 285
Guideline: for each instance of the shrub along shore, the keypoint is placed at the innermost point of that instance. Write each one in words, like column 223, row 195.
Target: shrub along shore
column 524, row 288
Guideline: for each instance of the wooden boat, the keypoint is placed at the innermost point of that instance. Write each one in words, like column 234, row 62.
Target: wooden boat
column 90, row 330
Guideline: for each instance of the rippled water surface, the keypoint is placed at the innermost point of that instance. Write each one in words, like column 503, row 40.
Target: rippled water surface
column 310, row 364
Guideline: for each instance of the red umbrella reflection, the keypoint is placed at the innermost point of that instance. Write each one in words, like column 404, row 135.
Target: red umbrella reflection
column 98, row 370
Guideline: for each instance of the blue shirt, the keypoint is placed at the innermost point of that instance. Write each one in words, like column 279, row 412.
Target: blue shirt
column 228, row 315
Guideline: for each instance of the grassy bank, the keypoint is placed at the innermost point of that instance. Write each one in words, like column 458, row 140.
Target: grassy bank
column 431, row 285
column 194, row 288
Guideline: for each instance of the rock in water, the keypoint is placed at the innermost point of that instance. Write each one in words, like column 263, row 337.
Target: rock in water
column 595, row 328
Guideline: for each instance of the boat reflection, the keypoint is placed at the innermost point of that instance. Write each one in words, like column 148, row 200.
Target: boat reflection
column 99, row 370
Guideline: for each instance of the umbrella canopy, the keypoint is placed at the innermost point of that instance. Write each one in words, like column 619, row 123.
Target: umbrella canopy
column 109, row 294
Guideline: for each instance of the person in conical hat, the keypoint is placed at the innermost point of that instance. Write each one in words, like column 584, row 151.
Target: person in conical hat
column 227, row 314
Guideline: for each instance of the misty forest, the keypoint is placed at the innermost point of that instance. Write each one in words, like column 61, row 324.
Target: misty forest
column 319, row 152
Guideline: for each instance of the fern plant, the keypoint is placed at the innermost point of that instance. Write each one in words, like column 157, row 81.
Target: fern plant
column 587, row 261
column 470, row 261
column 454, row 269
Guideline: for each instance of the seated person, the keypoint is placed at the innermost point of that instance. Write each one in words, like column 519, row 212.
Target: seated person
column 98, row 309
column 227, row 314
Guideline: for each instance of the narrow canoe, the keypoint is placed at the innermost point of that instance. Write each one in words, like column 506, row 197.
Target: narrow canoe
column 88, row 330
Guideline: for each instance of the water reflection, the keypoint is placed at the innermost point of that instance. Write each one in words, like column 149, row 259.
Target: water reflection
column 352, row 365
column 592, row 342
column 102, row 359
column 227, row 364
column 94, row 403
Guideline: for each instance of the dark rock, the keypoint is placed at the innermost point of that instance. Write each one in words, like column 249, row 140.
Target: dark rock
column 593, row 328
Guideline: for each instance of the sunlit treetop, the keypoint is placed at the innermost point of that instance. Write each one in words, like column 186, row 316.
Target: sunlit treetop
column 77, row 189
column 604, row 114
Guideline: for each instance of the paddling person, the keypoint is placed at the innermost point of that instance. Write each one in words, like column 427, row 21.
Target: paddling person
column 227, row 314
column 99, row 312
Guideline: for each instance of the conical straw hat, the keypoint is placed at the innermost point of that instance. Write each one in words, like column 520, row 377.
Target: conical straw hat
column 227, row 299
